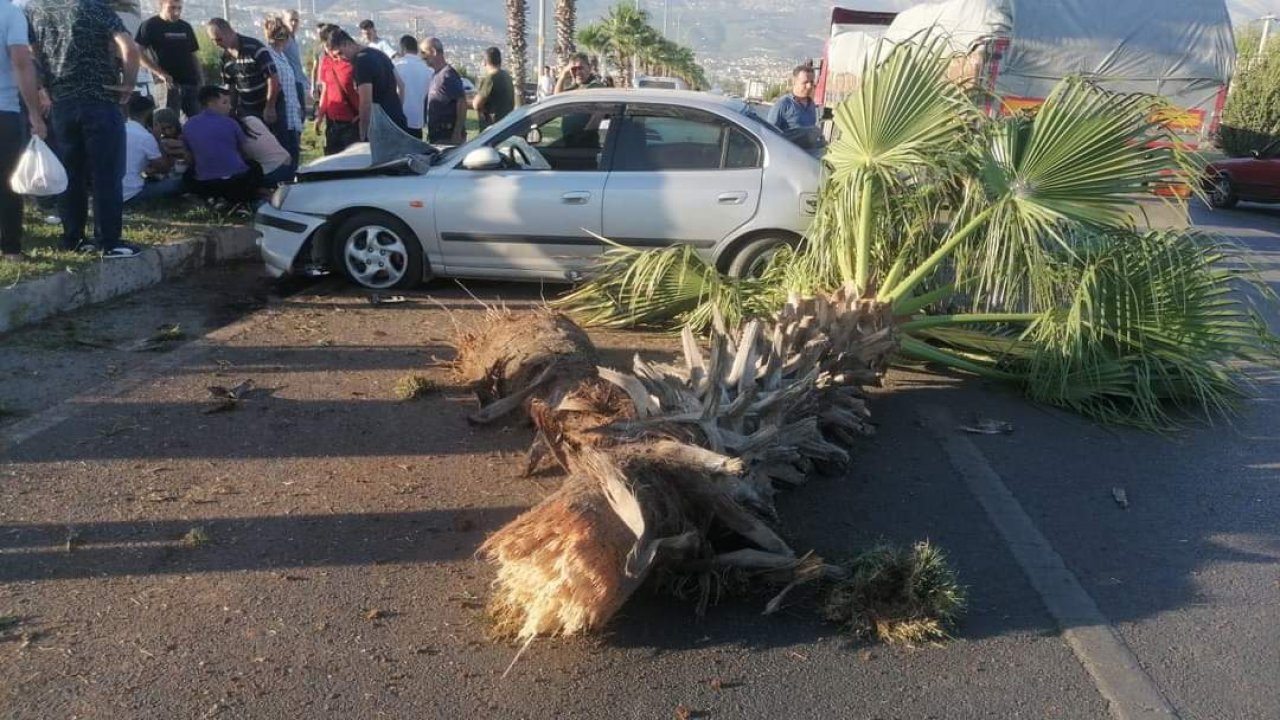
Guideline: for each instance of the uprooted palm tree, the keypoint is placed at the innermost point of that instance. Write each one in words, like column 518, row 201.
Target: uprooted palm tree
column 1004, row 247
column 671, row 470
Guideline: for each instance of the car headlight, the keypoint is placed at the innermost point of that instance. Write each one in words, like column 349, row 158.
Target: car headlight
column 277, row 197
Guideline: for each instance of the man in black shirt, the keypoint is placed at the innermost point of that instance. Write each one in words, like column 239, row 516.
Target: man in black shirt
column 375, row 78
column 249, row 72
column 173, row 42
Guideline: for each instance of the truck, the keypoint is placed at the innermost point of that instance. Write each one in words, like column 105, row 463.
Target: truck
column 1013, row 52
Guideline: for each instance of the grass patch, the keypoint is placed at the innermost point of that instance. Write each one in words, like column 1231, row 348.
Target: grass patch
column 8, row 622
column 412, row 387
column 195, row 537
column 158, row 224
column 898, row 595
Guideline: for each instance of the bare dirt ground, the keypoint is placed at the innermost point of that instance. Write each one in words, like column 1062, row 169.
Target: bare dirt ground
column 309, row 553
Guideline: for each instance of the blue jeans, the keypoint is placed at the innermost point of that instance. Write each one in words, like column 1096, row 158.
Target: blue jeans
column 90, row 143
column 154, row 190
column 290, row 140
column 12, row 139
column 284, row 173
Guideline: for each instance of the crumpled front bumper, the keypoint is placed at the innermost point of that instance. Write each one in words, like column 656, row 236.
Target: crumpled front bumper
column 281, row 235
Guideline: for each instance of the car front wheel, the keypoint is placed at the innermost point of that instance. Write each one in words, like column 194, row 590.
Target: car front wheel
column 1222, row 194
column 377, row 251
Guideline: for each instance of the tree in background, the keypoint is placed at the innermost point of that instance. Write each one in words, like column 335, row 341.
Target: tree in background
column 625, row 40
column 1251, row 117
column 517, row 44
column 566, row 23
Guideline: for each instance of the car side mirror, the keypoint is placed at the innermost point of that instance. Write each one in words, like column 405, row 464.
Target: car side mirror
column 484, row 158
column 1255, row 154
column 534, row 136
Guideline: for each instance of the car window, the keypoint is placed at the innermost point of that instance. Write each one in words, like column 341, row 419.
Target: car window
column 741, row 151
column 569, row 138
column 672, row 138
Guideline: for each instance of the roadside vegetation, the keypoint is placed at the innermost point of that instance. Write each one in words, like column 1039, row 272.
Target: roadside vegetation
column 1251, row 117
column 155, row 225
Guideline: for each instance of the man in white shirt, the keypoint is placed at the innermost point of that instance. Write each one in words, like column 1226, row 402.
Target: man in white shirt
column 370, row 35
column 415, row 77
column 546, row 83
column 142, row 156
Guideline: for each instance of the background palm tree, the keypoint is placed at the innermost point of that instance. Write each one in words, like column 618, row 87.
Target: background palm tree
column 625, row 40
column 517, row 44
column 566, row 24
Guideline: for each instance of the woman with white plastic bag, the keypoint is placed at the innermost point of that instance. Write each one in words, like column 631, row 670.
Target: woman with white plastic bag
column 17, row 77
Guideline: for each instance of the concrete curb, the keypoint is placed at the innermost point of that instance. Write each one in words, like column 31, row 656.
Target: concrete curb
column 34, row 300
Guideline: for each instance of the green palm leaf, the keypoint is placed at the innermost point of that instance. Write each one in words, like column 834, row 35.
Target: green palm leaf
column 657, row 288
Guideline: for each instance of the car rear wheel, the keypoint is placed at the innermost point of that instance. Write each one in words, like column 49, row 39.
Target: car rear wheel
column 752, row 259
column 377, row 251
column 1222, row 193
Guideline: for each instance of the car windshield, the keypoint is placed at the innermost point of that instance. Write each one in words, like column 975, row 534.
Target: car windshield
column 449, row 154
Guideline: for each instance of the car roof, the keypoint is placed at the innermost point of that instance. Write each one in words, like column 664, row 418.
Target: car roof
column 685, row 98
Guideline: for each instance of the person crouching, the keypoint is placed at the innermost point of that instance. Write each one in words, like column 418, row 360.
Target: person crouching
column 220, row 171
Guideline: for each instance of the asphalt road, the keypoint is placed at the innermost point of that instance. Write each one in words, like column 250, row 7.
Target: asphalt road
column 338, row 580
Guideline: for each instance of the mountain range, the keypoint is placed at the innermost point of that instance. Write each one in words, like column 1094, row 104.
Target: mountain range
column 731, row 37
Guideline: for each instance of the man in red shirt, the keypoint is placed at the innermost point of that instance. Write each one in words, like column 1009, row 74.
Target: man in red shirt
column 339, row 105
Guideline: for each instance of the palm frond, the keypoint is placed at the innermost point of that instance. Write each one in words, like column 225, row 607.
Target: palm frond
column 1083, row 159
column 665, row 287
column 1156, row 328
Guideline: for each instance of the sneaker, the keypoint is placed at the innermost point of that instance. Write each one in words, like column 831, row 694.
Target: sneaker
column 123, row 250
column 85, row 248
column 52, row 220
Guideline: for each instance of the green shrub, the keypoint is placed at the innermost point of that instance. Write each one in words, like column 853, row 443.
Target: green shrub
column 1251, row 118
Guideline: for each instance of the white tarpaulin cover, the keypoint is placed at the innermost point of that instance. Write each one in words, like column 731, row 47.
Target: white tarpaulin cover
column 1183, row 50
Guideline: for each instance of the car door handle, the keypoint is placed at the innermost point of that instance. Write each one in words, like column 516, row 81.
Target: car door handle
column 732, row 198
column 575, row 198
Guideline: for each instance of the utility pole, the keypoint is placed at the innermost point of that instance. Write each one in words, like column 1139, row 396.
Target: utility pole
column 542, row 39
column 666, row 5
column 1266, row 33
column 226, row 10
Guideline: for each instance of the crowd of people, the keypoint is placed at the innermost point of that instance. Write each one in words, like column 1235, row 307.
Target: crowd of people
column 69, row 76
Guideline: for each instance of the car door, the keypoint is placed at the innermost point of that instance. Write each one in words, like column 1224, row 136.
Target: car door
column 1257, row 178
column 535, row 217
column 680, row 175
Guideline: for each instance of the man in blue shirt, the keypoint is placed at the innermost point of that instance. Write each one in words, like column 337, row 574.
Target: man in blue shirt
column 796, row 110
column 446, row 99
column 17, row 80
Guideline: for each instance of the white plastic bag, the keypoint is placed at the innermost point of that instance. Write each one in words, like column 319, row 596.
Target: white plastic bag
column 39, row 171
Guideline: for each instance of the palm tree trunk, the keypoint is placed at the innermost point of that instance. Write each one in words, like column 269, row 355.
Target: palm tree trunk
column 566, row 20
column 517, row 44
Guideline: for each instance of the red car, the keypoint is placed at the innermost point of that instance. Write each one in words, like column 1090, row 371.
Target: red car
column 1255, row 178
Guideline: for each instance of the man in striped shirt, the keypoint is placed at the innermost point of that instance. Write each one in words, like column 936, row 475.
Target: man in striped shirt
column 250, row 73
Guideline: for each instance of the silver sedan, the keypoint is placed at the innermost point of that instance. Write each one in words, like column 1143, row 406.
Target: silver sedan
column 527, row 198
